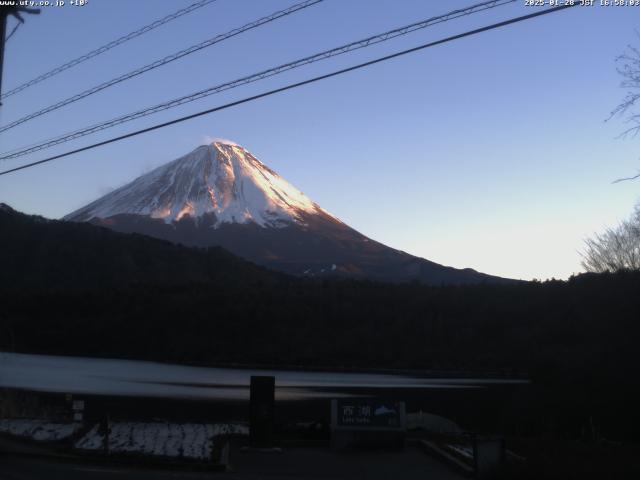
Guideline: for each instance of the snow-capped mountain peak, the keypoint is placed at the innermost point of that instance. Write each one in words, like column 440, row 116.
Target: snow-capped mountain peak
column 221, row 178
column 221, row 195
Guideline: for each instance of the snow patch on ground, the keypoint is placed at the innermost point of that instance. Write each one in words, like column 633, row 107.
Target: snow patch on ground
column 187, row 440
column 39, row 430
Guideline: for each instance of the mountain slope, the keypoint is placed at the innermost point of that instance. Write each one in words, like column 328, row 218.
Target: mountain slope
column 39, row 253
column 222, row 179
column 220, row 194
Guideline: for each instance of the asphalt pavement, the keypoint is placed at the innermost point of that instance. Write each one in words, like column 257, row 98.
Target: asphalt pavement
column 295, row 463
column 23, row 467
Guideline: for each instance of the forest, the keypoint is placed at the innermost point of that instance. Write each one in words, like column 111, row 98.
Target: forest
column 76, row 289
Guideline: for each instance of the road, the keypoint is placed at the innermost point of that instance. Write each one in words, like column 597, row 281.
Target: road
column 317, row 464
column 13, row 467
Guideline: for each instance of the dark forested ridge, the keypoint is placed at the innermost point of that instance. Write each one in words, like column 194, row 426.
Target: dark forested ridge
column 39, row 253
column 148, row 299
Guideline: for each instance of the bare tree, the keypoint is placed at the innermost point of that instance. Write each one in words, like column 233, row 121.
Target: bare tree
column 628, row 66
column 616, row 249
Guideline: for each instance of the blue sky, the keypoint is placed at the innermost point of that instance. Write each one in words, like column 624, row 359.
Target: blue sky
column 490, row 152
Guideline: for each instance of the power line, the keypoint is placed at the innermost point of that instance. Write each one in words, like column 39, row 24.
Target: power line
column 15, row 10
column 254, row 77
column 108, row 46
column 15, row 27
column 168, row 59
column 298, row 84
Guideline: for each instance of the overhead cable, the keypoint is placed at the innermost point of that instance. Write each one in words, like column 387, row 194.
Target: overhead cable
column 372, row 40
column 106, row 47
column 294, row 85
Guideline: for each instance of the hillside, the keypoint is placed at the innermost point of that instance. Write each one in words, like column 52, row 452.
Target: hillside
column 222, row 195
column 77, row 289
column 48, row 254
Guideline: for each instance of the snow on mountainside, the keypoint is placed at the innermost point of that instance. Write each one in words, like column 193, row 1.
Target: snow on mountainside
column 221, row 195
column 221, row 178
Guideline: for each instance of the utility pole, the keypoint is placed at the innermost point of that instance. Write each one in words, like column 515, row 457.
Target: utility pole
column 3, row 34
column 5, row 11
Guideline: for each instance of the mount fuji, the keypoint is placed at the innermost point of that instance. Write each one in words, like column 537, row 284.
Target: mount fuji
column 220, row 194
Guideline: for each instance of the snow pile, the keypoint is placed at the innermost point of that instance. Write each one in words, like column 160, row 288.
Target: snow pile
column 222, row 179
column 39, row 430
column 189, row 440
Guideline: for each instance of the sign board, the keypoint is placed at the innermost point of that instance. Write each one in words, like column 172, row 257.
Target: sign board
column 77, row 405
column 367, row 422
column 77, row 417
column 369, row 413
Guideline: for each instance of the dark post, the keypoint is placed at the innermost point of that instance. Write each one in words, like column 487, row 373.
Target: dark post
column 261, row 411
column 5, row 11
column 105, row 431
column 3, row 33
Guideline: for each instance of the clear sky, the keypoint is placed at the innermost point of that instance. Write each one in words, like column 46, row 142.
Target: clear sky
column 489, row 152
